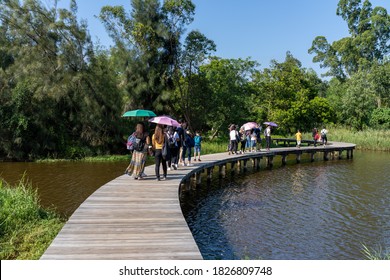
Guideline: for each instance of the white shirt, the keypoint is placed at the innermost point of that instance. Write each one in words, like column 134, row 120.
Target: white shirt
column 267, row 131
column 233, row 134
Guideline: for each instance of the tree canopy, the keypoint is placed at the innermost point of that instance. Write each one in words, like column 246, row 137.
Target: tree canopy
column 63, row 96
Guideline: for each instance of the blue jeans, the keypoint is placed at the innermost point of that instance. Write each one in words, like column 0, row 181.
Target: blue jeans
column 185, row 149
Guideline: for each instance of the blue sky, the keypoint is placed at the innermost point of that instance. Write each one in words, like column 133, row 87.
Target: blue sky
column 260, row 29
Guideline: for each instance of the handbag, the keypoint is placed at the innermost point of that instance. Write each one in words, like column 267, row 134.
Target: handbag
column 165, row 148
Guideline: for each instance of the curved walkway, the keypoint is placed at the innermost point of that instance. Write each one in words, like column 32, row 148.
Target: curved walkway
column 131, row 219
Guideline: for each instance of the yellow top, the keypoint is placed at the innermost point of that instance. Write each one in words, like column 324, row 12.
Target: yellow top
column 299, row 136
column 156, row 145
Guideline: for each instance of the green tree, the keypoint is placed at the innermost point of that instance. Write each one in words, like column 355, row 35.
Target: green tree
column 229, row 84
column 359, row 100
column 191, row 85
column 289, row 95
column 56, row 95
column 369, row 30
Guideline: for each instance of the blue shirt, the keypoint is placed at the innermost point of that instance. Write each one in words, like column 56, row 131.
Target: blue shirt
column 198, row 140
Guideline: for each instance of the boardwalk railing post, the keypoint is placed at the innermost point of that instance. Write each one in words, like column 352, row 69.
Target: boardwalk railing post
column 270, row 161
column 210, row 173
column 312, row 156
column 284, row 159
column 299, row 154
column 326, row 155
column 222, row 170
column 258, row 163
column 198, row 178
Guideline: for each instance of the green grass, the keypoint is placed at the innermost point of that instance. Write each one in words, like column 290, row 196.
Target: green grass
column 371, row 254
column 369, row 139
column 26, row 229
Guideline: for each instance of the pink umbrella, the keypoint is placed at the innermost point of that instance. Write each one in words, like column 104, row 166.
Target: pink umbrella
column 250, row 125
column 165, row 120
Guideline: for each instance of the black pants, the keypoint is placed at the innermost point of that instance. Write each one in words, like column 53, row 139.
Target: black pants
column 268, row 141
column 173, row 159
column 158, row 158
column 233, row 146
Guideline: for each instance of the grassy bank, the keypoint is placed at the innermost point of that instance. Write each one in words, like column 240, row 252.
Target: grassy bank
column 26, row 229
column 369, row 139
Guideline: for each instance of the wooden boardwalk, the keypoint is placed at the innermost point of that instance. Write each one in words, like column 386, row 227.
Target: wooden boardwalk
column 142, row 220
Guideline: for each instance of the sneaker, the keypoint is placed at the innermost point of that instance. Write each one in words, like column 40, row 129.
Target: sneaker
column 144, row 175
column 183, row 164
column 164, row 178
column 199, row 160
column 169, row 169
column 175, row 166
column 194, row 159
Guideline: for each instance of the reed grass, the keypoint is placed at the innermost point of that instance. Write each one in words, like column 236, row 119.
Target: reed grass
column 368, row 139
column 372, row 254
column 26, row 229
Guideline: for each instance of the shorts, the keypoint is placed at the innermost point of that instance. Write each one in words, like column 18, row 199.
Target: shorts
column 197, row 149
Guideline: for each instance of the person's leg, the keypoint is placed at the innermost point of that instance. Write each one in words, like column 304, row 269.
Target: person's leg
column 157, row 160
column 164, row 166
column 189, row 154
column 183, row 155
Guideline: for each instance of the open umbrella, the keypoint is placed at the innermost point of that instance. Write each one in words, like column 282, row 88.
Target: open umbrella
column 249, row 125
column 271, row 124
column 165, row 120
column 139, row 113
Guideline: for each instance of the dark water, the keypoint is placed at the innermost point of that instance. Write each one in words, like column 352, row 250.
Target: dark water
column 63, row 185
column 320, row 210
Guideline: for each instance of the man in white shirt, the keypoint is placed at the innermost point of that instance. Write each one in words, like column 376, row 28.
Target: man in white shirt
column 324, row 138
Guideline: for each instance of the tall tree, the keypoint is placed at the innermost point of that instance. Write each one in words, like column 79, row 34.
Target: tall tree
column 229, row 86
column 368, row 42
column 289, row 94
column 148, row 39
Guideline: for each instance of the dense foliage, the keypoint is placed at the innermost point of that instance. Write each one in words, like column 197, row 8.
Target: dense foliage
column 62, row 96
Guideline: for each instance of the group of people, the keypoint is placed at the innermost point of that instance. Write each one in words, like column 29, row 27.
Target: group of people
column 250, row 139
column 170, row 147
column 317, row 137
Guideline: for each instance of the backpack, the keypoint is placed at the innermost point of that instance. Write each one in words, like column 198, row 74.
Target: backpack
column 139, row 144
column 130, row 142
column 190, row 142
column 171, row 142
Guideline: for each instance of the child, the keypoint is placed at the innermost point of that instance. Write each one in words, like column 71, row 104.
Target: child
column 298, row 135
column 198, row 144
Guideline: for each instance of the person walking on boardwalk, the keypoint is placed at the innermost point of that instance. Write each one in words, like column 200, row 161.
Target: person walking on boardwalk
column 158, row 141
column 315, row 136
column 324, row 137
column 173, row 149
column 242, row 135
column 198, row 145
column 233, row 135
column 267, row 134
column 189, row 143
column 298, row 135
column 253, row 140
column 140, row 148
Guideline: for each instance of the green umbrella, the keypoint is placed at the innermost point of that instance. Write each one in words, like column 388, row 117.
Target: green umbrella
column 139, row 113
